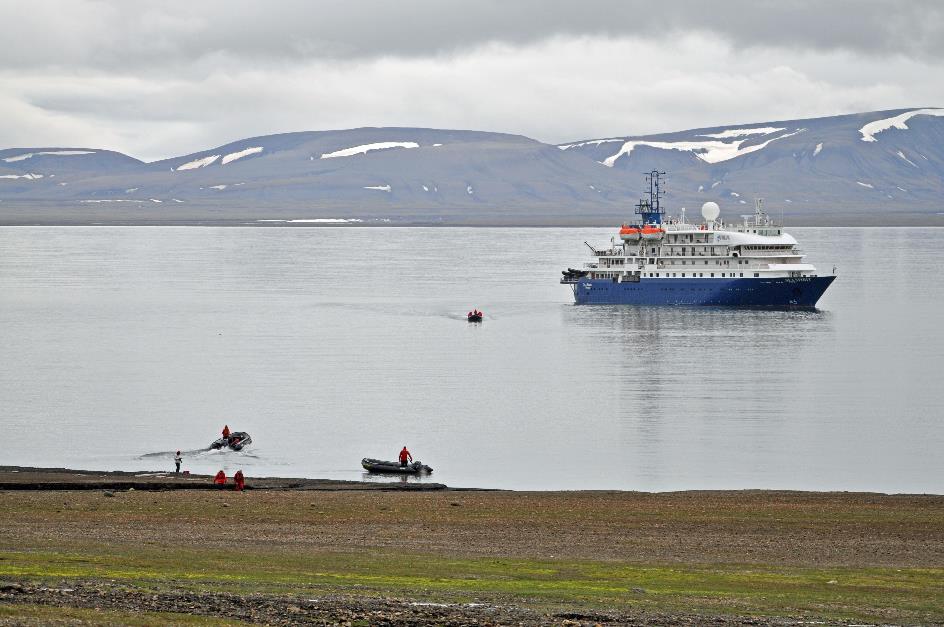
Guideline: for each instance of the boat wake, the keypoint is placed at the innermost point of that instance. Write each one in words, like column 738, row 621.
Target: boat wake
column 201, row 453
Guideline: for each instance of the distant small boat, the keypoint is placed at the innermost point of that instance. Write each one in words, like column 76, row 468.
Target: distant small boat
column 475, row 316
column 381, row 466
column 236, row 441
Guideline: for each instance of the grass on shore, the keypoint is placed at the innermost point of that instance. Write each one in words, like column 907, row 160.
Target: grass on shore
column 873, row 594
column 866, row 558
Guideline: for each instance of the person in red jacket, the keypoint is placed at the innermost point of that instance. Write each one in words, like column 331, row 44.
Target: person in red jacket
column 226, row 431
column 240, row 480
column 220, row 478
column 404, row 456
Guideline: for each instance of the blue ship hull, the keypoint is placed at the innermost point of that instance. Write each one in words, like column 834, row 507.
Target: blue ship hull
column 773, row 293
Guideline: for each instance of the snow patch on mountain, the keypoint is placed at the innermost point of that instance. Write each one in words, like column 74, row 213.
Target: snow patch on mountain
column 870, row 130
column 712, row 151
column 219, row 187
column 592, row 142
column 233, row 156
column 320, row 220
column 198, row 163
column 909, row 161
column 869, row 185
column 741, row 132
column 379, row 188
column 60, row 153
column 365, row 148
column 107, row 200
column 28, row 177
column 819, row 149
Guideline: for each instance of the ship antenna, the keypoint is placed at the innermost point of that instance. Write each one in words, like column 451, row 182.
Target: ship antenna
column 651, row 211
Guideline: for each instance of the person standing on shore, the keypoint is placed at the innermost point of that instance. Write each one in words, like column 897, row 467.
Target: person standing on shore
column 240, row 480
column 404, row 456
column 177, row 461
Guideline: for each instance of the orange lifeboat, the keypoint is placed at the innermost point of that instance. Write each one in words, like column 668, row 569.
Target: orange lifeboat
column 630, row 233
column 652, row 232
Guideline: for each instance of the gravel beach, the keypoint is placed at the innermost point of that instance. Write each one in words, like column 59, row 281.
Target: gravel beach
column 293, row 551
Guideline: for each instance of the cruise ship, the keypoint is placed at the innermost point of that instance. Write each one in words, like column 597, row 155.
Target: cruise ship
column 657, row 261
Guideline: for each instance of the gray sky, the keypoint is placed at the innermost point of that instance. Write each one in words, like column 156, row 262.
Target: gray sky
column 159, row 79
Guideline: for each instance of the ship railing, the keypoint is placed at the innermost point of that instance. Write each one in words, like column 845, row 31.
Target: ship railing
column 772, row 253
column 751, row 253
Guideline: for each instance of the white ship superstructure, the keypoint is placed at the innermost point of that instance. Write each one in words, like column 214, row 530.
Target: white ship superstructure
column 752, row 262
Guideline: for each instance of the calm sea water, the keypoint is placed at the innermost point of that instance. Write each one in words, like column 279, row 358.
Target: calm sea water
column 120, row 345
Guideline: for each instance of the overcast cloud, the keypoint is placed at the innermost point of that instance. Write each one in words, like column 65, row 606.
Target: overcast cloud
column 163, row 79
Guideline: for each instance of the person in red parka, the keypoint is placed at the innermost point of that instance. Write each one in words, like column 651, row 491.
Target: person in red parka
column 404, row 456
column 240, row 480
column 220, row 478
column 226, row 431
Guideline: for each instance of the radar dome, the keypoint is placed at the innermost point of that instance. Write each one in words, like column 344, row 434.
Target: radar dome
column 710, row 211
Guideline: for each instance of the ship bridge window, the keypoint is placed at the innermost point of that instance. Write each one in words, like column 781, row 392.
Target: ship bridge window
column 757, row 274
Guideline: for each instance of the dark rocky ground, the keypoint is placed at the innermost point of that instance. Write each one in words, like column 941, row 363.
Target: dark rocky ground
column 28, row 478
column 336, row 609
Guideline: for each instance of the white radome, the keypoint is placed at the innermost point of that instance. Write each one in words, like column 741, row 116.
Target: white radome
column 710, row 211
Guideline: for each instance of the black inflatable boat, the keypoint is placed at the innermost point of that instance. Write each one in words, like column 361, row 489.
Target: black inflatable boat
column 379, row 465
column 237, row 441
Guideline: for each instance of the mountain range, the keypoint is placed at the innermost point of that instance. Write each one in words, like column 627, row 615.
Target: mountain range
column 878, row 168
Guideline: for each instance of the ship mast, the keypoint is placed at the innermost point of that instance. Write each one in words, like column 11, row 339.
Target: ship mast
column 650, row 211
